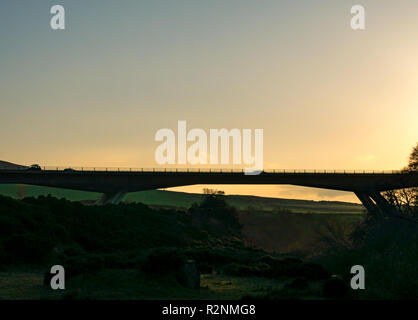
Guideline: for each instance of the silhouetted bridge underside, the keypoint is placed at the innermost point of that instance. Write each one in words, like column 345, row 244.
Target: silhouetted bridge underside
column 115, row 184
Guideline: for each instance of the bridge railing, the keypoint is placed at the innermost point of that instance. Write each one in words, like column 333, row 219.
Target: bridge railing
column 209, row 170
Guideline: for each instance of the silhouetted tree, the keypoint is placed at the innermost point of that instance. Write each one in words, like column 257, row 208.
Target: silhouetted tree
column 406, row 200
column 214, row 214
column 413, row 158
column 213, row 192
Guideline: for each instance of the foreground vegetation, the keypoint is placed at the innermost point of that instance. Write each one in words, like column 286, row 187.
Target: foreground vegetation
column 133, row 251
column 95, row 244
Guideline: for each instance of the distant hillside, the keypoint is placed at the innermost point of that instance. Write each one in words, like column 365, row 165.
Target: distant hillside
column 243, row 202
column 185, row 200
column 9, row 165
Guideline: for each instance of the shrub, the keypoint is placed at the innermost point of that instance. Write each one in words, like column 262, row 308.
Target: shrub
column 258, row 269
column 335, row 287
column 3, row 255
column 83, row 264
column 387, row 249
column 215, row 216
column 309, row 271
column 27, row 248
column 163, row 260
column 9, row 224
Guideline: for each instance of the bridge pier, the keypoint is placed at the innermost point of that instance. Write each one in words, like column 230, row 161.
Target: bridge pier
column 376, row 204
column 367, row 203
column 110, row 198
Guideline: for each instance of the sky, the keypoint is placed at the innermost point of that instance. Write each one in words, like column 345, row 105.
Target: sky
column 95, row 94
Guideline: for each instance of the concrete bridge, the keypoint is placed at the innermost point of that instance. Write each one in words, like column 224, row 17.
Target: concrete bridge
column 115, row 183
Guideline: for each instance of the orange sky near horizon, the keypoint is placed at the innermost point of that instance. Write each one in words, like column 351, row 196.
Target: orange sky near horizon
column 326, row 96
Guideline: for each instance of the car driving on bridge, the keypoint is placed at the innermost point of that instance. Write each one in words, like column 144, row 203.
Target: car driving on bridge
column 34, row 167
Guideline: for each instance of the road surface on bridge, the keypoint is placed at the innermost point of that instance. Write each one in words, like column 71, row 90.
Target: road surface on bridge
column 131, row 181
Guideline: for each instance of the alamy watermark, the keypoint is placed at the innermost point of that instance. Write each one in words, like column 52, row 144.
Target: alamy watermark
column 57, row 277
column 204, row 151
column 358, row 281
column 57, row 21
column 358, row 20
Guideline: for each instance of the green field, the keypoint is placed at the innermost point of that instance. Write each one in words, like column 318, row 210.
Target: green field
column 185, row 200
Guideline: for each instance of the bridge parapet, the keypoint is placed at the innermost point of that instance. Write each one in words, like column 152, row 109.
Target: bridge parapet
column 208, row 170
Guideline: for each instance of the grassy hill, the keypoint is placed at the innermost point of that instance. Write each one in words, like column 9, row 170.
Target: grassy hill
column 18, row 191
column 185, row 200
column 243, row 202
column 9, row 165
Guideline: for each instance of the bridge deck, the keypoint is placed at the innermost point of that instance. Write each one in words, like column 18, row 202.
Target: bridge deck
column 131, row 180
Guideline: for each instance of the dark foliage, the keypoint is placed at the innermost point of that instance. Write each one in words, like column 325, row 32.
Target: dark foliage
column 33, row 229
column 49, row 230
column 278, row 268
column 164, row 260
column 215, row 216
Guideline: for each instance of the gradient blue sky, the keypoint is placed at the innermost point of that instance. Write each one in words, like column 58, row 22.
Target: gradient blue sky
column 326, row 96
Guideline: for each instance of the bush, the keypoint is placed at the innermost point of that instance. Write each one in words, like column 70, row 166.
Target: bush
column 10, row 224
column 84, row 264
column 387, row 249
column 215, row 216
column 257, row 270
column 3, row 255
column 30, row 228
column 27, row 248
column 335, row 287
column 163, row 260
column 309, row 271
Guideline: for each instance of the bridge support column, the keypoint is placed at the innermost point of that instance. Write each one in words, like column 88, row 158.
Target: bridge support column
column 376, row 204
column 367, row 203
column 111, row 198
column 383, row 204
